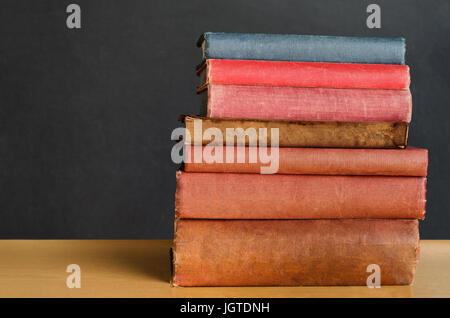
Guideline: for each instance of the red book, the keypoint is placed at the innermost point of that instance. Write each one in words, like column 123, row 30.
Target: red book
column 276, row 196
column 306, row 74
column 411, row 161
column 301, row 103
column 293, row 252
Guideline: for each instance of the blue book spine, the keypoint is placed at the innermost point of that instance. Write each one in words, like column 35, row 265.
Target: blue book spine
column 305, row 48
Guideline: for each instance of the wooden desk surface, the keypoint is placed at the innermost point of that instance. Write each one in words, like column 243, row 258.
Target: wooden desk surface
column 140, row 268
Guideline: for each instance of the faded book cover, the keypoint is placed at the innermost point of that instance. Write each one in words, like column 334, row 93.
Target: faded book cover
column 254, row 196
column 316, row 134
column 412, row 162
column 305, row 103
column 306, row 48
column 293, row 252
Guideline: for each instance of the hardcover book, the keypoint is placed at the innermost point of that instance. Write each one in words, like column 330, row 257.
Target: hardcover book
column 276, row 196
column 319, row 134
column 293, row 252
column 412, row 162
column 305, row 48
column 304, row 74
column 303, row 103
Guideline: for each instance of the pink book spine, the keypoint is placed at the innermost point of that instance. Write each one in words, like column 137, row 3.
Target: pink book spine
column 300, row 103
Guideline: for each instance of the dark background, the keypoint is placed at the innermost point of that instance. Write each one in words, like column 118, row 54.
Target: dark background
column 86, row 114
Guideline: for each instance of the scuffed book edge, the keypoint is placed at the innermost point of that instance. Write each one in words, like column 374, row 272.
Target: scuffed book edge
column 177, row 194
column 417, row 250
column 404, row 143
column 173, row 257
column 187, row 117
column 424, row 199
column 203, row 44
column 172, row 284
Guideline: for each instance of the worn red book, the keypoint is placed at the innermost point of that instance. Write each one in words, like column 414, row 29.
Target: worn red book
column 294, row 252
column 276, row 196
column 306, row 74
column 322, row 161
column 304, row 103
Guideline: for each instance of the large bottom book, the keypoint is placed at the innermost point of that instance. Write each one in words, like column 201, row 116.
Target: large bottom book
column 293, row 252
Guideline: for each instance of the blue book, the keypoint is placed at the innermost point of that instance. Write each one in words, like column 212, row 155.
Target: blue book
column 302, row 48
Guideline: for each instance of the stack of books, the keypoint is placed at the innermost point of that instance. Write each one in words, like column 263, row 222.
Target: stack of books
column 298, row 171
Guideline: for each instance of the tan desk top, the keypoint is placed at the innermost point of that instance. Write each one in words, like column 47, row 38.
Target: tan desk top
column 140, row 268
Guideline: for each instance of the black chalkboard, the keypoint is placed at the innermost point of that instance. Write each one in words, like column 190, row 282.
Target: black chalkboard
column 86, row 114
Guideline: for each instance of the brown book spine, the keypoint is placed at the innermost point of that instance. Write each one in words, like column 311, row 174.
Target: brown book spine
column 321, row 134
column 293, row 252
column 411, row 161
column 256, row 196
